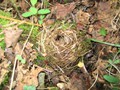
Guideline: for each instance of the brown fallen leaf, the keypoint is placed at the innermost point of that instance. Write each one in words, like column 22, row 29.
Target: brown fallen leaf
column 11, row 36
column 19, row 86
column 24, row 6
column 61, row 10
column 74, row 82
column 104, row 11
column 9, row 54
column 18, row 50
column 82, row 17
column 1, row 53
column 26, row 77
column 88, row 3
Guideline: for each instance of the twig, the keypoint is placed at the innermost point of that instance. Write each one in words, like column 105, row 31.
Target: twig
column 28, row 3
column 94, row 81
column 15, row 63
column 115, row 67
column 114, row 60
column 16, row 20
column 16, row 8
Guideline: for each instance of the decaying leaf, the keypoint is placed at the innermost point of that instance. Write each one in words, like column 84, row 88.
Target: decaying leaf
column 18, row 50
column 26, row 77
column 11, row 36
column 9, row 54
column 1, row 53
column 104, row 11
column 61, row 11
column 88, row 3
column 82, row 17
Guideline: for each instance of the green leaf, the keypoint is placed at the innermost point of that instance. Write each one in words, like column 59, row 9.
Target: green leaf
column 43, row 11
column 40, row 21
column 42, row 16
column 27, row 14
column 103, row 31
column 19, row 57
column 33, row 2
column 53, row 88
column 23, row 61
column 33, row 10
column 111, row 79
column 114, row 61
column 26, row 87
column 40, row 58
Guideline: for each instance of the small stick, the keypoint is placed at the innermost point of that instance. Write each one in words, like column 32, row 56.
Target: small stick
column 15, row 63
column 16, row 20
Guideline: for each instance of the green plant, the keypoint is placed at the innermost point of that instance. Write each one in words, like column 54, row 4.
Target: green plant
column 113, row 80
column 3, row 22
column 26, row 87
column 117, row 61
column 103, row 31
column 5, row 82
column 46, row 3
column 111, row 44
column 19, row 57
column 34, row 11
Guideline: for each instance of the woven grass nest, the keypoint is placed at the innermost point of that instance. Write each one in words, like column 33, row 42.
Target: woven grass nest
column 61, row 46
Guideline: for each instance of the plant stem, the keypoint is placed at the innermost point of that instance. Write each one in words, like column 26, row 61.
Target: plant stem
column 111, row 44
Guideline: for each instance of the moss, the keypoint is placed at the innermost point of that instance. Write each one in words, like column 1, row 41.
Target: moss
column 5, row 82
column 26, row 29
column 63, row 25
column 3, row 22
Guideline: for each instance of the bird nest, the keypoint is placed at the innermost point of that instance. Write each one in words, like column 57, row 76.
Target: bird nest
column 60, row 46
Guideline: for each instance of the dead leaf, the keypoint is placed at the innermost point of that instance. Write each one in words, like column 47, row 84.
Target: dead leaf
column 1, row 53
column 33, row 55
column 32, row 76
column 19, row 86
column 11, row 36
column 88, row 3
column 61, row 10
column 9, row 54
column 18, row 50
column 76, row 82
column 104, row 11
column 82, row 17
column 29, row 46
column 24, row 6
column 80, row 26
column 26, row 77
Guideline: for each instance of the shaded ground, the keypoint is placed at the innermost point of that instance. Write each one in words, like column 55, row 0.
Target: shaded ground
column 75, row 47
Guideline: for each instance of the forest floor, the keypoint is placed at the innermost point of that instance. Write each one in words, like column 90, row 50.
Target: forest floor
column 59, row 44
